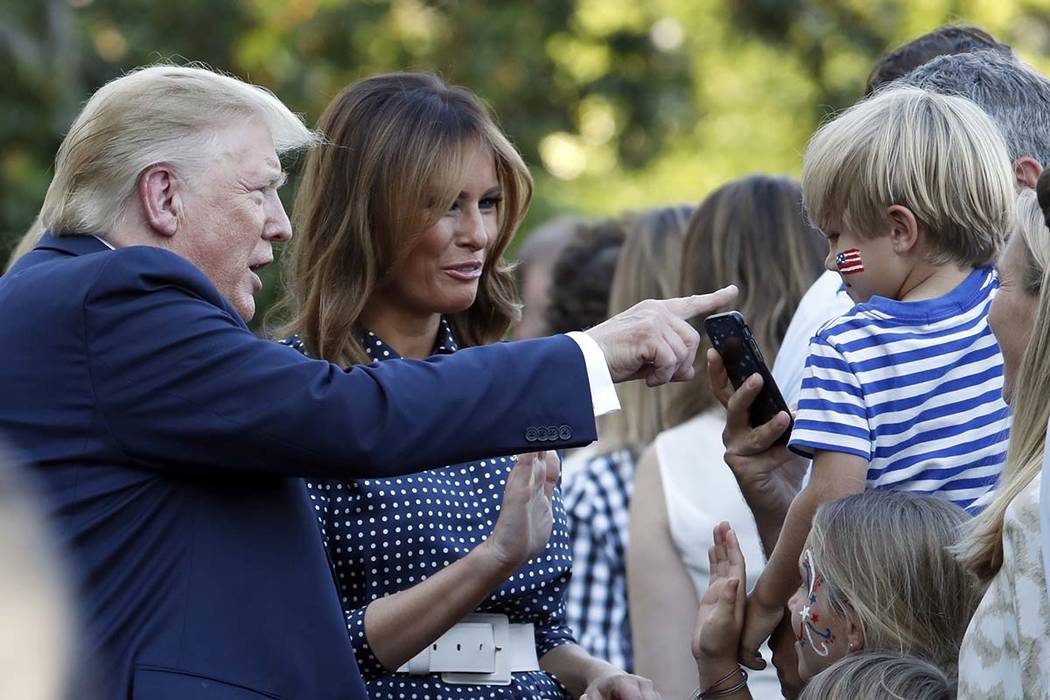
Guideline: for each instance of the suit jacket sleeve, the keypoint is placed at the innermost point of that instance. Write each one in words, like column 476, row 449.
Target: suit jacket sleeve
column 181, row 384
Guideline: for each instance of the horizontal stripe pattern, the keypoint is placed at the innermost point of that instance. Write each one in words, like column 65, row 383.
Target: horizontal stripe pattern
column 916, row 389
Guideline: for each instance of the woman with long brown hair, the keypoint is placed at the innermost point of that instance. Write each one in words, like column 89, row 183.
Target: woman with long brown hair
column 752, row 232
column 452, row 580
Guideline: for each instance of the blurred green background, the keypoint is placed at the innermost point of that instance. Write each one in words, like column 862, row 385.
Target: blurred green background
column 614, row 103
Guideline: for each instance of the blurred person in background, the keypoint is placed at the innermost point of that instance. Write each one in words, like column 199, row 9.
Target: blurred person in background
column 582, row 276
column 402, row 221
column 752, row 232
column 37, row 622
column 598, row 492
column 947, row 40
column 534, row 274
column 579, row 297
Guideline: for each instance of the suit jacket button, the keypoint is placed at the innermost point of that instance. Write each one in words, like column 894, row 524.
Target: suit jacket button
column 565, row 432
column 543, row 433
column 552, row 432
column 531, row 435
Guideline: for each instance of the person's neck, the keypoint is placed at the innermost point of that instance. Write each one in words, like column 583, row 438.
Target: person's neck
column 411, row 334
column 925, row 281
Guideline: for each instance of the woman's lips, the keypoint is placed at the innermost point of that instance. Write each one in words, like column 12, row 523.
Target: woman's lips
column 467, row 272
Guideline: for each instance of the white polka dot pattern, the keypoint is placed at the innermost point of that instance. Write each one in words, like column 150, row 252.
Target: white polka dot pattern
column 386, row 535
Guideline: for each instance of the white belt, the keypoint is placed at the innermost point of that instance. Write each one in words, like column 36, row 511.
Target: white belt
column 480, row 650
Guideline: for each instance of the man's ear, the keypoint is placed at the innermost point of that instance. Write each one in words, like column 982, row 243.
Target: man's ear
column 904, row 229
column 159, row 193
column 1026, row 170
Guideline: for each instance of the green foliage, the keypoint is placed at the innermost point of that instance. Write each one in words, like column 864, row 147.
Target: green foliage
column 615, row 103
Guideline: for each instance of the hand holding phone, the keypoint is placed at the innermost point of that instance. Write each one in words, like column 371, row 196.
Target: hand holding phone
column 732, row 339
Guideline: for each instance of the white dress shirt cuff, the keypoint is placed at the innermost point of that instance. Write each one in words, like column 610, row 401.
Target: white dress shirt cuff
column 603, row 392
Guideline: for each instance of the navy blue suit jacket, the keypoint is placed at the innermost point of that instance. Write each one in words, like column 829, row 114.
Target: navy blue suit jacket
column 167, row 439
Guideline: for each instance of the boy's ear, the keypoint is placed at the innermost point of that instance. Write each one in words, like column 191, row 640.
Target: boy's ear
column 904, row 229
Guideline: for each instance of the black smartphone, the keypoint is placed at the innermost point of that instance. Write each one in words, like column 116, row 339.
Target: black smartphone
column 741, row 356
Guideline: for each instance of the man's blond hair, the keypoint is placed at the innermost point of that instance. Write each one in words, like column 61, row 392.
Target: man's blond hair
column 158, row 114
column 938, row 155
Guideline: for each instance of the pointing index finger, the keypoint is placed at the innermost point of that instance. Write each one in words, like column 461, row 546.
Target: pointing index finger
column 702, row 304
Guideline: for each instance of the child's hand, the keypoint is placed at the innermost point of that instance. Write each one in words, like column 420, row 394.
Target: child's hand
column 721, row 616
column 759, row 623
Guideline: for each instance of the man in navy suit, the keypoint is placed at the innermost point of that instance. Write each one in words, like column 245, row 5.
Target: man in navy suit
column 167, row 436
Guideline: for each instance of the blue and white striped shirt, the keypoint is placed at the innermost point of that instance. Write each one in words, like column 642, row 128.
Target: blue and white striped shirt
column 915, row 388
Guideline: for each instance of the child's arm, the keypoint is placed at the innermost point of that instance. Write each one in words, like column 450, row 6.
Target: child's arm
column 835, row 475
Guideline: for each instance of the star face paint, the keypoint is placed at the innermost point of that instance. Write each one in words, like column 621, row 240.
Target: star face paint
column 809, row 624
column 849, row 261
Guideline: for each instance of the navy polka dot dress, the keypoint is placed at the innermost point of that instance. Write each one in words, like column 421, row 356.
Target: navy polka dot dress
column 387, row 535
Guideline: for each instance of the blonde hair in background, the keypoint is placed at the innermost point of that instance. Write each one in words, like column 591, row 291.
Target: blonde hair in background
column 751, row 233
column 982, row 548
column 399, row 145
column 938, row 155
column 158, row 114
column 647, row 268
column 885, row 560
column 879, row 676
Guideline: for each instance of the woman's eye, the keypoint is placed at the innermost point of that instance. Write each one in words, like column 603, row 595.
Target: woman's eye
column 489, row 203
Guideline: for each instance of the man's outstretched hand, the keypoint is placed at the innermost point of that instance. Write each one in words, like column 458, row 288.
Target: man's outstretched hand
column 653, row 340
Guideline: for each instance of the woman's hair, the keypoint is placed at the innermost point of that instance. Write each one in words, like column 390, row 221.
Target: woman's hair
column 398, row 150
column 647, row 268
column 157, row 114
column 750, row 233
column 885, row 562
column 940, row 156
column 981, row 550
column 879, row 676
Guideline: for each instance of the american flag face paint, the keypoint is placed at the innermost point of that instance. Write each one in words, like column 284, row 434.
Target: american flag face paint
column 808, row 630
column 849, row 262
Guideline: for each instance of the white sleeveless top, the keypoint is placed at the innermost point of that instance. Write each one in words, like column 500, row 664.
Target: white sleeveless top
column 701, row 492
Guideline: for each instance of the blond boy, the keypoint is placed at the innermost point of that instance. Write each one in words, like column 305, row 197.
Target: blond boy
column 914, row 193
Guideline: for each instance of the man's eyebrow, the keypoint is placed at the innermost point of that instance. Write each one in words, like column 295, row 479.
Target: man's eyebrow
column 279, row 179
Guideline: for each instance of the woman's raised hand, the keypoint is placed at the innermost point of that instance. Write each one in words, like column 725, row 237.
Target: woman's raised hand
column 526, row 516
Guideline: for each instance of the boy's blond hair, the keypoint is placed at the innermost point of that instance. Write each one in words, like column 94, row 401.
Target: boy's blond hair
column 938, row 155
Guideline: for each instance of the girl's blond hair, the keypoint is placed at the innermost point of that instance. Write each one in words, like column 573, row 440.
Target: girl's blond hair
column 158, row 114
column 885, row 561
column 940, row 156
column 981, row 550
column 398, row 152
column 879, row 676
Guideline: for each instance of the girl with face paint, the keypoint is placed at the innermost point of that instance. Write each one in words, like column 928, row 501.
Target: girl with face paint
column 877, row 575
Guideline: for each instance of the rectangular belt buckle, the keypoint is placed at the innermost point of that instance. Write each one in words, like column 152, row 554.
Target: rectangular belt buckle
column 499, row 652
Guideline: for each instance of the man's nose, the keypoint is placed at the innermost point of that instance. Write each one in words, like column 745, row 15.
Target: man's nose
column 278, row 228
